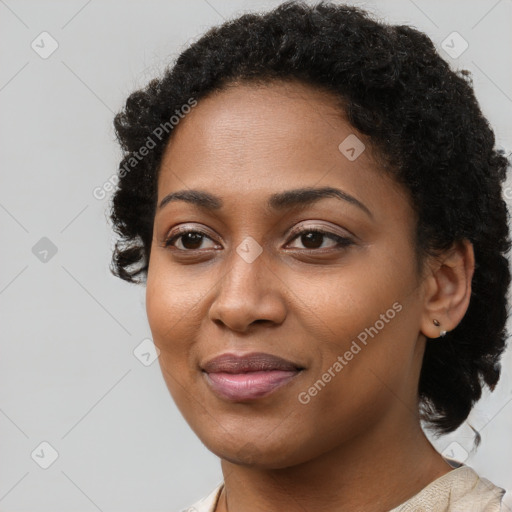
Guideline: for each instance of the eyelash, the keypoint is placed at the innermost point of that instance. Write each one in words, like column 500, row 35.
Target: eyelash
column 341, row 242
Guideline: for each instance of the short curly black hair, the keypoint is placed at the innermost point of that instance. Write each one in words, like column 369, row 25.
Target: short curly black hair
column 421, row 117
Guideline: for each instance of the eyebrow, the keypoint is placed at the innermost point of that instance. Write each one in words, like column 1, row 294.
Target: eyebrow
column 279, row 201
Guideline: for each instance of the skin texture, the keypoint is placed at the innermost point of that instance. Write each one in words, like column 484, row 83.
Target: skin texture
column 305, row 303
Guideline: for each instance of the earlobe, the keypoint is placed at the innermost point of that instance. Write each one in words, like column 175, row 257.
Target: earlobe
column 448, row 290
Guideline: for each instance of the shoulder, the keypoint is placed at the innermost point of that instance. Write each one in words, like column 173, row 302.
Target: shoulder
column 207, row 503
column 460, row 490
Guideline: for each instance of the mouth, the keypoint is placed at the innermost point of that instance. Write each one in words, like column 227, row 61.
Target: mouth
column 248, row 377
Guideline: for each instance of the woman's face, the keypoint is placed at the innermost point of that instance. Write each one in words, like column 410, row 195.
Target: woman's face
column 256, row 277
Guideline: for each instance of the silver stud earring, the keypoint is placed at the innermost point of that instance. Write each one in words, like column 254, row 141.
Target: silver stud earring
column 437, row 324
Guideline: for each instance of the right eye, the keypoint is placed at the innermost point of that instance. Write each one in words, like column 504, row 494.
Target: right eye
column 187, row 238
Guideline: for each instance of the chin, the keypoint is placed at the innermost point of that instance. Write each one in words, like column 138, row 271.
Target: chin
column 257, row 453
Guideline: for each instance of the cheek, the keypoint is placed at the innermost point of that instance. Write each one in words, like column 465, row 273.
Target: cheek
column 341, row 306
column 168, row 312
column 361, row 325
column 358, row 373
column 172, row 300
column 161, row 308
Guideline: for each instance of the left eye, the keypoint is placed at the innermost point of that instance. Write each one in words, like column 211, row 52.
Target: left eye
column 312, row 238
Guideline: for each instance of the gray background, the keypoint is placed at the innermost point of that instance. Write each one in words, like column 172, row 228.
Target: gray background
column 69, row 376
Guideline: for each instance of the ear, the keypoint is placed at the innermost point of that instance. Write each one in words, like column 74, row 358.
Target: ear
column 447, row 289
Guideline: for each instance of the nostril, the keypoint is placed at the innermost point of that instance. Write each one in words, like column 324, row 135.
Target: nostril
column 260, row 321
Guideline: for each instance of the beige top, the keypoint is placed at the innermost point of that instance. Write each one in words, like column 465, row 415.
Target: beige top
column 460, row 490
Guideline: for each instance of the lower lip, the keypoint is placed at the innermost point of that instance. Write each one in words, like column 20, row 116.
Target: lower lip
column 250, row 385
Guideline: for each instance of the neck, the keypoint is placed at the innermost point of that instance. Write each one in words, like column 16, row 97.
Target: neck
column 372, row 472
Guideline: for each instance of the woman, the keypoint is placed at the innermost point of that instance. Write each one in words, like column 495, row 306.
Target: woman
column 313, row 200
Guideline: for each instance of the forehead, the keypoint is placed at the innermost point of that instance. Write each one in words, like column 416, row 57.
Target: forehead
column 260, row 121
column 249, row 140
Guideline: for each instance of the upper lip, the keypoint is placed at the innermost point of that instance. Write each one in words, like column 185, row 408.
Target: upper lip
column 256, row 361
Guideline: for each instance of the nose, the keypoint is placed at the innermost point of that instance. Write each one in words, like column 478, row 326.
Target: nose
column 250, row 292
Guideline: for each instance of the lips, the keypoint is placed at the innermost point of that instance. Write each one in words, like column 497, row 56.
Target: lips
column 258, row 361
column 248, row 377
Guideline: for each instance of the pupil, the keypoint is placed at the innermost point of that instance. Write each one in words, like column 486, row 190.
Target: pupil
column 193, row 238
column 309, row 239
